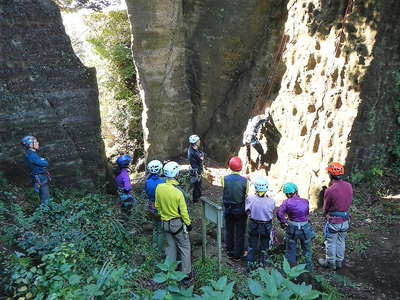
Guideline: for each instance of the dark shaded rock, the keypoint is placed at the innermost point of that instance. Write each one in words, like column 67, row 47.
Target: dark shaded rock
column 201, row 67
column 45, row 91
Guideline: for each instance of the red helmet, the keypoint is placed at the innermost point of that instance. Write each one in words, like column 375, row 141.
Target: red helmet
column 335, row 168
column 235, row 163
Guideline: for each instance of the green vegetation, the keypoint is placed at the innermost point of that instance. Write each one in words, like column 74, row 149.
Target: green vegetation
column 110, row 37
column 75, row 248
column 78, row 248
column 270, row 284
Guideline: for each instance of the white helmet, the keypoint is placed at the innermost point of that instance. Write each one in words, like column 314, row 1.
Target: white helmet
column 194, row 138
column 171, row 169
column 261, row 184
column 154, row 167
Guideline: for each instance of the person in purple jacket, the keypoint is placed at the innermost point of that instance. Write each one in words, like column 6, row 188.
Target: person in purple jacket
column 337, row 201
column 124, row 186
column 260, row 209
column 297, row 226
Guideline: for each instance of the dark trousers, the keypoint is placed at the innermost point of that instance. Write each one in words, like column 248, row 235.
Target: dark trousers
column 304, row 234
column 235, row 228
column 41, row 186
column 259, row 233
column 197, row 190
column 44, row 194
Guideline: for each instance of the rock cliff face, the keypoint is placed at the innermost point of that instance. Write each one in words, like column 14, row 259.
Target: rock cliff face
column 338, row 94
column 323, row 69
column 201, row 64
column 46, row 91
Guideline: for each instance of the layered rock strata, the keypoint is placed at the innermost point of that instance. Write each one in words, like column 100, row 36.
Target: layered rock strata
column 46, row 91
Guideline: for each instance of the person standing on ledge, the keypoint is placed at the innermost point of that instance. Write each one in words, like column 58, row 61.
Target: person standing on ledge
column 196, row 159
column 337, row 201
column 37, row 167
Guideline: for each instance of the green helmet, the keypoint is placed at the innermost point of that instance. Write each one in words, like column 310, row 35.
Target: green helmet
column 289, row 188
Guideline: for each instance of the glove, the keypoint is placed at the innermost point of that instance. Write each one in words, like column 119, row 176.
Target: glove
column 189, row 227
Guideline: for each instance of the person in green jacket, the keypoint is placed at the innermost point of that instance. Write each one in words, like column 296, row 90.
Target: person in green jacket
column 175, row 220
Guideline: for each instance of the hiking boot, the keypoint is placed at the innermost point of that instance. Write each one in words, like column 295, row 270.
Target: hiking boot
column 324, row 263
column 188, row 279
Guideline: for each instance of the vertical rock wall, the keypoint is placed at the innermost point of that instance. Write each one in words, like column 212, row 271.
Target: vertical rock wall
column 46, row 91
column 330, row 90
column 159, row 54
column 337, row 96
column 201, row 65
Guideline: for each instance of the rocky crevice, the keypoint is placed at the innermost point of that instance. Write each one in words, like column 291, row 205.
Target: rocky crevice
column 223, row 51
column 327, row 94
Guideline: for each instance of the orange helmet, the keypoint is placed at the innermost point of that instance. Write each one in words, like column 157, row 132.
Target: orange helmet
column 235, row 164
column 335, row 169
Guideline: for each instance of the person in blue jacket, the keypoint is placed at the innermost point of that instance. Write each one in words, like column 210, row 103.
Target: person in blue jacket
column 37, row 166
column 153, row 179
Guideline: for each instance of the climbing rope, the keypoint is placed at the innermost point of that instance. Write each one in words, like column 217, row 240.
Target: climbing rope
column 341, row 36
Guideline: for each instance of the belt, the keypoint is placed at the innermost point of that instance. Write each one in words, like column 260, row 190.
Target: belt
column 261, row 222
column 342, row 214
column 234, row 205
column 297, row 224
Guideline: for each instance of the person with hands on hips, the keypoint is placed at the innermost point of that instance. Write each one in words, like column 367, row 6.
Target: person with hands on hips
column 296, row 224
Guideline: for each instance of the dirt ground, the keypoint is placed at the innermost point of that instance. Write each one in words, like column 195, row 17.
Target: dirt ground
column 372, row 273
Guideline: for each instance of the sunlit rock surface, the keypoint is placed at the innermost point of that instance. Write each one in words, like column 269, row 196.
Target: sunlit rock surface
column 46, row 91
column 337, row 97
column 328, row 82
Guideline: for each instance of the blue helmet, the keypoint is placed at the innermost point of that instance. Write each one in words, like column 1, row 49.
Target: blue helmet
column 289, row 188
column 261, row 184
column 27, row 141
column 124, row 161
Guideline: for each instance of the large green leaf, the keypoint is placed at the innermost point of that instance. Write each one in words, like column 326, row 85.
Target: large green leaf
column 272, row 289
column 220, row 284
column 160, row 277
column 297, row 271
column 228, row 292
column 313, row 294
column 285, row 295
column 286, row 266
column 277, row 277
column 159, row 294
column 255, row 287
column 74, row 279
column 176, row 275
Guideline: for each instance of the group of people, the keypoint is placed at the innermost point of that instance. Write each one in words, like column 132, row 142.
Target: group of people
column 168, row 207
column 256, row 212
